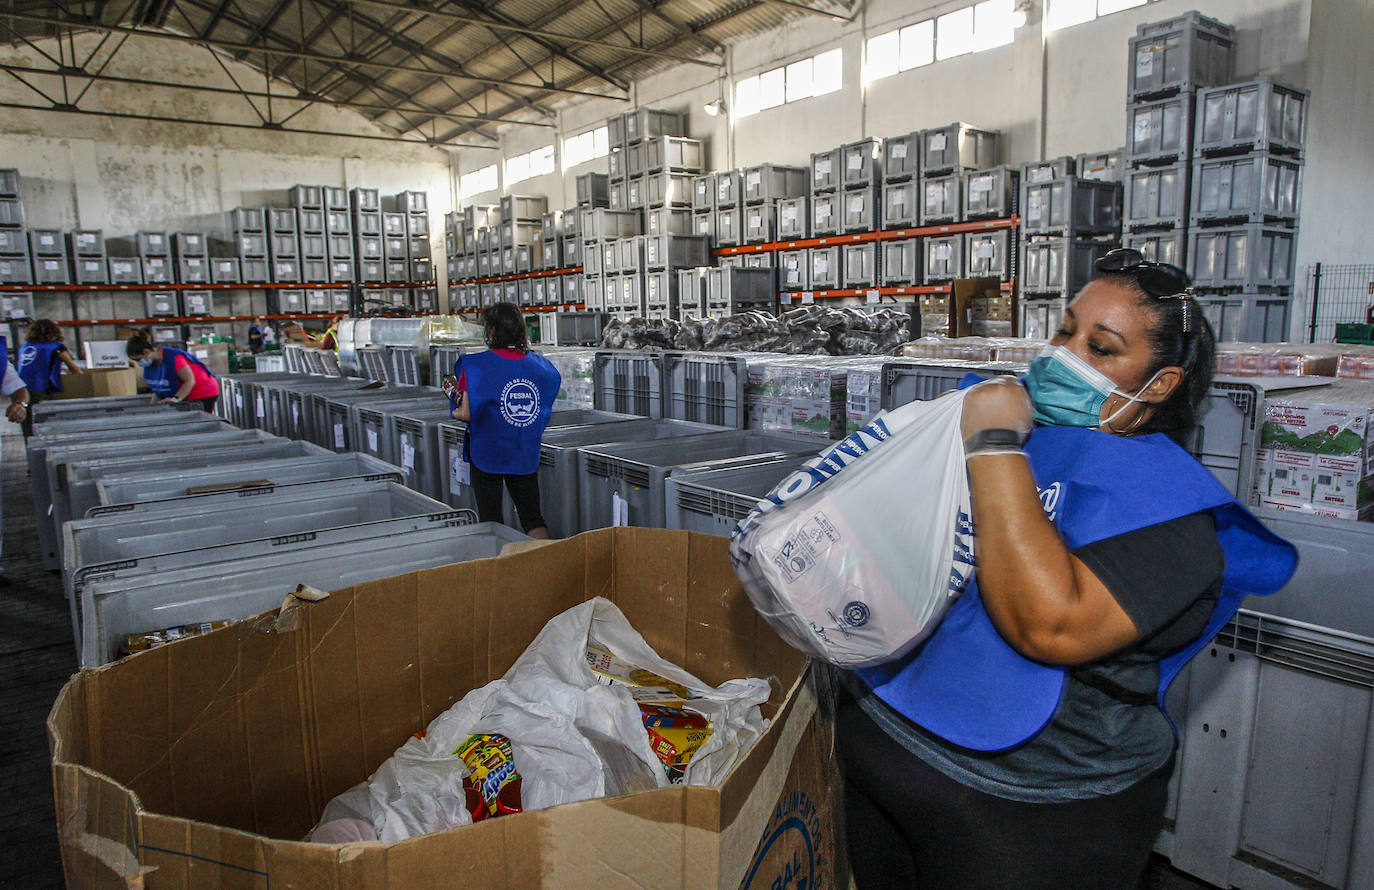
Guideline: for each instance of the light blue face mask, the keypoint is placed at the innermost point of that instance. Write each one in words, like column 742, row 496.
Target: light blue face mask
column 145, row 362
column 1067, row 391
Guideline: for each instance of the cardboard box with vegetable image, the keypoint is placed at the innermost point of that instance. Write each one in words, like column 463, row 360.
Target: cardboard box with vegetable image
column 201, row 764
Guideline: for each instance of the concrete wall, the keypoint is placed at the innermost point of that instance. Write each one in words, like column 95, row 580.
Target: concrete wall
column 1048, row 93
column 124, row 175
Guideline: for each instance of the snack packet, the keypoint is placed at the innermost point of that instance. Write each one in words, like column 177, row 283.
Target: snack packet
column 493, row 788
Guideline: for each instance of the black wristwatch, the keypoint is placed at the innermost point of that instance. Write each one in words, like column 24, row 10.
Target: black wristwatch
column 993, row 440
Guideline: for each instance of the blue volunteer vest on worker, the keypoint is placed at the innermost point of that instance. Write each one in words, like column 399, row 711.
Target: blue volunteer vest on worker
column 510, row 403
column 39, row 367
column 162, row 376
column 967, row 685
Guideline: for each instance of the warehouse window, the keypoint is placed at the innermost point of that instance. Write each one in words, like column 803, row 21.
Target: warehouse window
column 954, row 33
column 972, row 29
column 815, row 76
column 1065, row 13
column 532, row 163
column 483, row 180
column 585, row 147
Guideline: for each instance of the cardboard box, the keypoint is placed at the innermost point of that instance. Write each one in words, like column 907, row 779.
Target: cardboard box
column 214, row 355
column 100, row 382
column 201, row 763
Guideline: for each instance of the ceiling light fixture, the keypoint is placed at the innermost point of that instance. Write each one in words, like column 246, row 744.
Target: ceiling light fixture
column 714, row 107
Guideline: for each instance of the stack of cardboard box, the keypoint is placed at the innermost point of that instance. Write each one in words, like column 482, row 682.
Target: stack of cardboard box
column 1316, row 453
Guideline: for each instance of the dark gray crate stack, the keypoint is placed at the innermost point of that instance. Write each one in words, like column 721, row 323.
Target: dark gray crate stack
column 366, row 210
column 1067, row 222
column 308, row 202
column 1244, row 205
column 155, row 254
column 899, row 263
column 189, row 250
column 14, row 242
column 1169, row 61
column 48, row 250
column 414, row 207
column 86, row 249
column 250, row 237
column 949, row 156
column 284, row 243
column 340, row 248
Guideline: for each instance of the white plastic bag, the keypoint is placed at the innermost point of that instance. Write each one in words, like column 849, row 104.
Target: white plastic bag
column 855, row 558
column 572, row 737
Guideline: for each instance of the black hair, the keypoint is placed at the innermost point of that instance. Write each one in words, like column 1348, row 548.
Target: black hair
column 505, row 328
column 44, row 330
column 1180, row 335
column 139, row 343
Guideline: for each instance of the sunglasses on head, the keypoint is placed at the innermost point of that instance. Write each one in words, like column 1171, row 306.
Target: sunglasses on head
column 1163, row 281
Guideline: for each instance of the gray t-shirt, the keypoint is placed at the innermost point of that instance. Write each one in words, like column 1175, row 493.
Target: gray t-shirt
column 1108, row 733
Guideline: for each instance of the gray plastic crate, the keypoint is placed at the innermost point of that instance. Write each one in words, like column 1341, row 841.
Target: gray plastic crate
column 633, row 473
column 668, row 221
column 1161, row 247
column 523, row 207
column 773, row 182
column 793, row 218
column 942, row 199
column 1069, row 205
column 629, row 382
column 713, row 502
column 676, row 252
column 760, row 222
column 826, row 170
column 729, row 227
column 637, row 193
column 1248, row 318
column 1157, row 197
column 907, row 381
column 827, row 214
column 1160, row 132
column 729, row 189
column 704, row 192
column 592, row 189
column 412, row 437
column 957, row 147
column 989, row 255
column 630, row 255
column 286, row 402
column 691, row 292
column 1180, row 55
column 1044, row 171
column 648, row 123
column 943, row 258
column 861, row 211
column 668, row 190
column 574, row 291
column 99, row 406
column 825, row 268
column 902, row 157
column 901, row 263
column 615, row 129
column 673, row 154
column 860, row 264
column 732, row 289
column 1254, row 188
column 371, row 423
column 794, row 270
column 524, row 289
column 660, row 297
column 330, row 420
column 600, row 224
column 1059, row 266
column 237, row 588
column 900, row 204
column 1249, row 258
column 551, row 225
column 863, row 163
column 706, row 388
column 991, row 193
column 704, row 223
column 1040, row 318
column 1261, row 115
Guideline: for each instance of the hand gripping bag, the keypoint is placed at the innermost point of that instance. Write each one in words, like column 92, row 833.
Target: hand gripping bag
column 856, row 557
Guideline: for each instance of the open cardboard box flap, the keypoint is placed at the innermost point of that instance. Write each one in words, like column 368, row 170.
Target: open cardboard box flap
column 204, row 761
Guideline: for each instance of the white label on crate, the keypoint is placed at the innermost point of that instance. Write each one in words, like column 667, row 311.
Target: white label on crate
column 822, row 210
column 1034, row 206
column 338, row 435
column 295, row 416
column 1145, row 62
column 620, row 510
column 407, row 454
column 855, row 161
column 46, row 240
column 1040, row 174
column 787, row 299
column 653, row 290
column 753, row 179
column 261, row 409
column 50, row 265
column 943, row 251
column 238, row 400
column 981, row 184
column 789, row 213
column 936, row 142
column 820, row 263
column 984, row 250
column 898, row 198
column 808, row 297
column 371, row 440
column 856, row 204
column 459, row 474
column 871, row 296
column 899, row 151
column 1142, row 127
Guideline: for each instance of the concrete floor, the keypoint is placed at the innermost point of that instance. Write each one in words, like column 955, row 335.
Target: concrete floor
column 36, row 657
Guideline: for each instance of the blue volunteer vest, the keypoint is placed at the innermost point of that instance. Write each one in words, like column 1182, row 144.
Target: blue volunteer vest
column 40, row 367
column 510, row 403
column 967, row 685
column 162, row 376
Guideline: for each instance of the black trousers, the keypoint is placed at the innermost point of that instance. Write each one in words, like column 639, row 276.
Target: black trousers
column 911, row 826
column 208, row 404
column 524, row 491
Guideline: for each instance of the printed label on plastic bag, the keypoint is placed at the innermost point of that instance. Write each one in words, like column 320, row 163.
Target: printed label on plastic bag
column 798, row 554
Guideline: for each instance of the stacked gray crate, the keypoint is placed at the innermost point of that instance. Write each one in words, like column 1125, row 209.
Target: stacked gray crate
column 1169, row 61
column 249, row 225
column 369, row 253
column 395, row 247
column 825, row 184
column 1244, row 206
column 190, row 252
column 861, row 178
column 86, row 250
column 48, row 249
column 898, row 261
column 14, row 243
column 550, row 235
column 341, row 249
column 155, row 256
column 284, row 243
column 308, row 201
column 732, row 290
column 948, row 154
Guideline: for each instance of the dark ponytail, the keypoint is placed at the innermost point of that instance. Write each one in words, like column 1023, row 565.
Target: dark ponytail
column 139, row 343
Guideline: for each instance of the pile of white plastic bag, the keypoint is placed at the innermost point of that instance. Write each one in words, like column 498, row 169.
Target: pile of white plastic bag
column 573, row 734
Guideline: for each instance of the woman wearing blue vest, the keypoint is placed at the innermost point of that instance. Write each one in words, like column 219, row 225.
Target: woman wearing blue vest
column 1024, row 745
column 506, row 396
column 40, row 364
column 174, row 375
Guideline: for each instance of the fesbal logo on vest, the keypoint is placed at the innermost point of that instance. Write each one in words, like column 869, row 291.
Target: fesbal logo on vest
column 520, row 402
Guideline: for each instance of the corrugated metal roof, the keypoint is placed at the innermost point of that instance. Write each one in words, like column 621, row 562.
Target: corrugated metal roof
column 447, row 59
